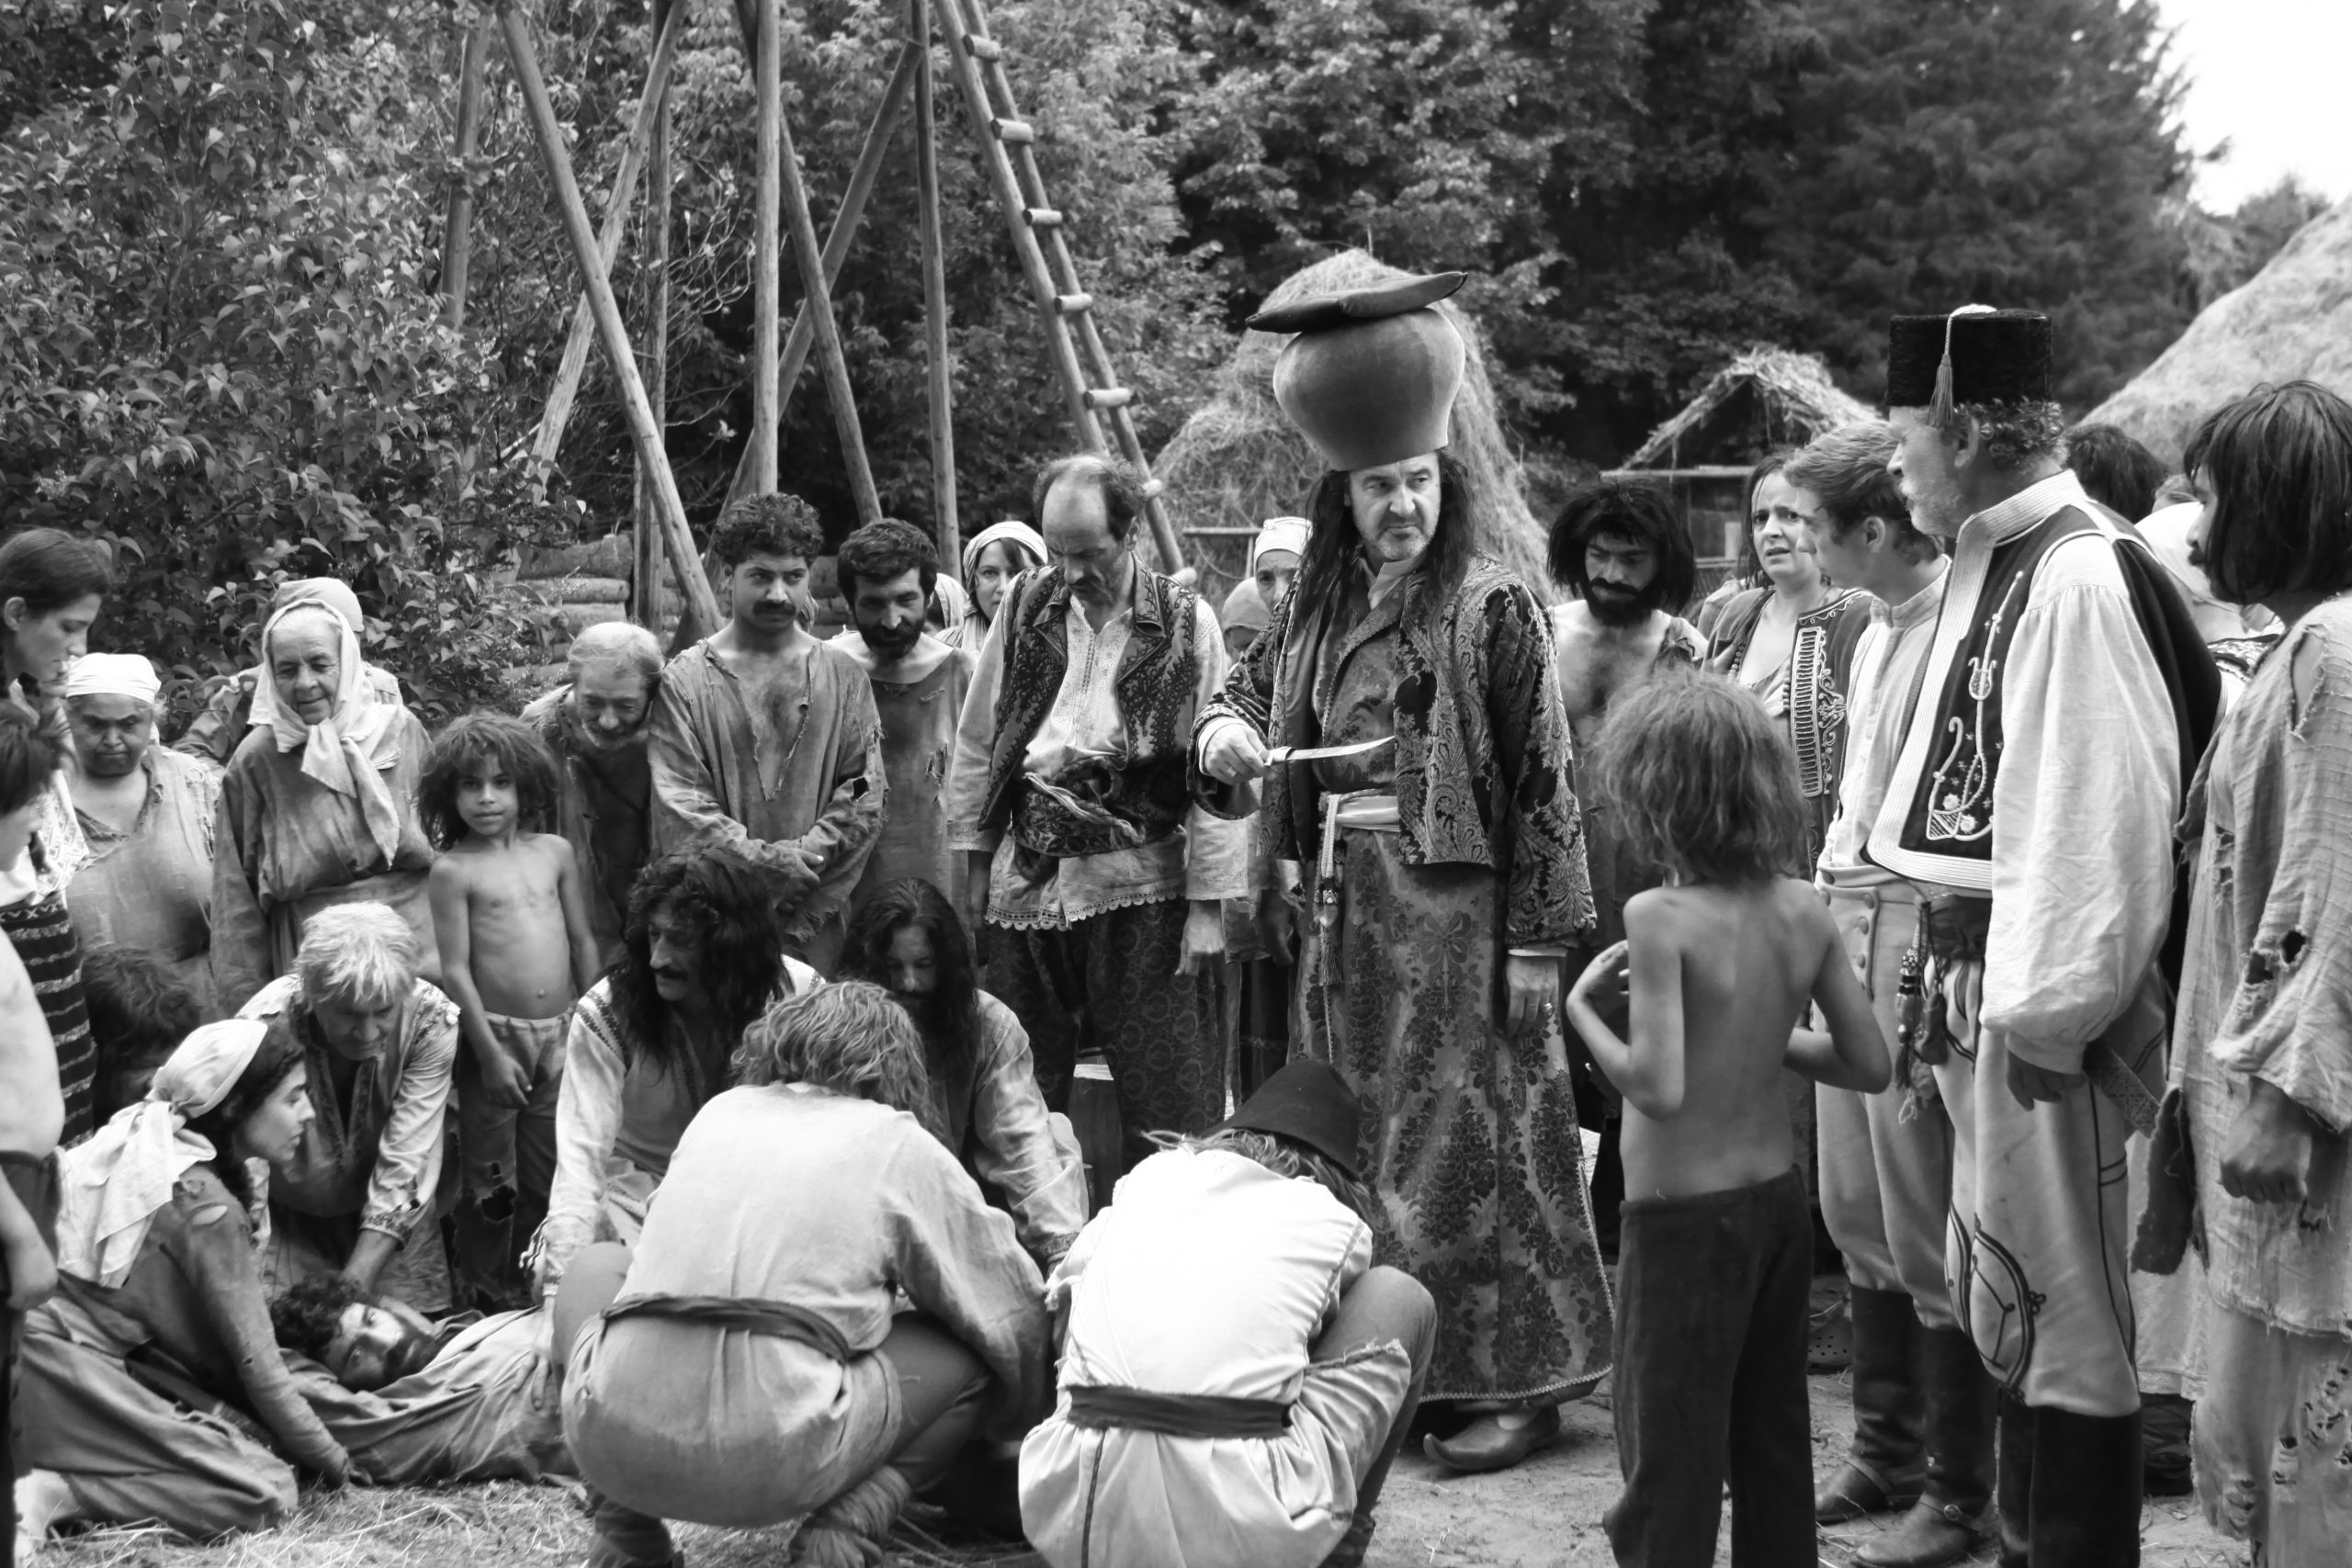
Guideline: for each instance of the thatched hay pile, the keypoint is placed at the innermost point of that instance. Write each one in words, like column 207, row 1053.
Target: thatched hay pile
column 1238, row 462
column 2291, row 320
column 1766, row 397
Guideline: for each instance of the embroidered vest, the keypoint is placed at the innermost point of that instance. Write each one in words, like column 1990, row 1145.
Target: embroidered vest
column 1143, row 798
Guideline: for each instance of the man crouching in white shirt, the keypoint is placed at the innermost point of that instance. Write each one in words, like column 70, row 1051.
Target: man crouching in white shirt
column 1235, row 1376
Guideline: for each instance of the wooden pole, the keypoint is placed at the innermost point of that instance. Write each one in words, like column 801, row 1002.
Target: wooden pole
column 458, row 244
column 607, row 312
column 574, row 363
column 934, row 302
column 803, row 335
column 767, row 74
column 829, row 357
column 645, row 578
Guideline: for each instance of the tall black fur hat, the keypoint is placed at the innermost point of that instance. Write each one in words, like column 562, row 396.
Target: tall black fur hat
column 1973, row 356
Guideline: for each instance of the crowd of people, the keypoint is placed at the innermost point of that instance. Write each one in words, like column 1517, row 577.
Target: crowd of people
column 671, row 1085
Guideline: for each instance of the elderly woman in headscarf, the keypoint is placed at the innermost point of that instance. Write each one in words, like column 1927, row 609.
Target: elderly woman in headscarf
column 380, row 1044
column 147, row 816
column 994, row 557
column 152, row 1385
column 213, row 734
column 318, row 806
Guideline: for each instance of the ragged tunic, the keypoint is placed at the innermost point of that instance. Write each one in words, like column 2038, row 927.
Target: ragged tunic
column 130, row 1453
column 617, row 1118
column 1481, row 853
column 604, row 808
column 994, row 1119
column 152, row 888
column 488, row 1407
column 372, row 1162
column 919, row 719
column 1211, row 1275
column 808, row 782
column 285, row 847
column 2266, row 988
column 726, row 1426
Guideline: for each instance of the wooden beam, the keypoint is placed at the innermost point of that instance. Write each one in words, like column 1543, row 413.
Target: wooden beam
column 457, row 240
column 645, row 595
column 803, row 335
column 637, row 413
column 829, row 357
column 574, row 363
column 767, row 83
column 940, row 379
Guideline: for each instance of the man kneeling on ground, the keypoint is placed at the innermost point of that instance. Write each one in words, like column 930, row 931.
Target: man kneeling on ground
column 744, row 1366
column 1235, row 1377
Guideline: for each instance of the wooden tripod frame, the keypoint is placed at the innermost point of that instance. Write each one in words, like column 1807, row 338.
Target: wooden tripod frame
column 1074, row 345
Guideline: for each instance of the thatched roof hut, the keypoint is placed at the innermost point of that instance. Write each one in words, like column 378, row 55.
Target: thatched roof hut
column 1766, row 397
column 1238, row 462
column 2291, row 320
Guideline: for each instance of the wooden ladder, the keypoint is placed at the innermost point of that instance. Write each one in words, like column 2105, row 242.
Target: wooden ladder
column 1073, row 343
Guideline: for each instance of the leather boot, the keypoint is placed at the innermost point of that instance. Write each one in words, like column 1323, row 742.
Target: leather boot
column 2015, row 1490
column 1954, row 1512
column 1884, row 1472
column 2086, row 1490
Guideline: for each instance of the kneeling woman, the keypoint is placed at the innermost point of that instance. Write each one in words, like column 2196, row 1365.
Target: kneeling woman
column 751, row 1369
column 144, row 1376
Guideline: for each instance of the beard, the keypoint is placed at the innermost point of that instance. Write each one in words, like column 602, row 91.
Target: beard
column 892, row 642
column 1612, row 605
column 928, row 1009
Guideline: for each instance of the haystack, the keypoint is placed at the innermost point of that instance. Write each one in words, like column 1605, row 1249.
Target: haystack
column 1766, row 397
column 2291, row 320
column 1238, row 462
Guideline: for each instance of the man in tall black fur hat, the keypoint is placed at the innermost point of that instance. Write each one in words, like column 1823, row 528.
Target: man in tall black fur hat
column 2064, row 697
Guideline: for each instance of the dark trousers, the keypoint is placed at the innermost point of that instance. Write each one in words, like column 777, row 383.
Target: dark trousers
column 35, row 1183
column 1710, row 1348
column 1108, row 983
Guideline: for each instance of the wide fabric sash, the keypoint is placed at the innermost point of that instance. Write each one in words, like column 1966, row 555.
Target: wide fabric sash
column 1176, row 1414
column 780, row 1319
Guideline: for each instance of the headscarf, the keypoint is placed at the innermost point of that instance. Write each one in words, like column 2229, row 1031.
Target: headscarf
column 954, row 602
column 332, row 592
column 1245, row 608
column 112, row 675
column 1280, row 533
column 1018, row 532
column 118, row 1181
column 346, row 750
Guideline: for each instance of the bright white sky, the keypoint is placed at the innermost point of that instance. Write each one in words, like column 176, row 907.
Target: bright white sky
column 2267, row 76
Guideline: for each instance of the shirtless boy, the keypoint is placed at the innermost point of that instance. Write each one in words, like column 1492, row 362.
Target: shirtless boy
column 1717, row 1251
column 511, row 917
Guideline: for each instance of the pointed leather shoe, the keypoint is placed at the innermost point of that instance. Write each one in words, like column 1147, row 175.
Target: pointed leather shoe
column 1928, row 1537
column 1486, row 1444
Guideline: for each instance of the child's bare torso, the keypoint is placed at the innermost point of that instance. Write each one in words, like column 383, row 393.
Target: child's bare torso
column 1748, row 958
column 520, row 948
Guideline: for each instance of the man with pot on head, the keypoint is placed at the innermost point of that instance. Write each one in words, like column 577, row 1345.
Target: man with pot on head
column 595, row 727
column 213, row 734
column 1408, row 683
column 2062, row 696
column 147, row 815
column 888, row 572
column 1067, row 793
column 765, row 740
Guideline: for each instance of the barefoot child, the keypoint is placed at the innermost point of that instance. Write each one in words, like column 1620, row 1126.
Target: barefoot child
column 1717, row 1251
column 510, row 918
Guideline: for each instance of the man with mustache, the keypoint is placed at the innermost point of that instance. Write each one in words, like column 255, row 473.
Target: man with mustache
column 765, row 739
column 888, row 572
column 1102, row 883
column 2064, row 697
column 595, row 726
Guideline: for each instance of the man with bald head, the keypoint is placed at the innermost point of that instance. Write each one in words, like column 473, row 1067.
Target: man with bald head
column 1097, row 881
column 212, row 735
column 595, row 727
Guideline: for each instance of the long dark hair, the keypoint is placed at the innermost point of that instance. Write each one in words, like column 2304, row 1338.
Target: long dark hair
column 509, row 745
column 50, row 568
column 279, row 1054
column 1333, row 540
column 1750, row 569
column 2279, row 462
column 1642, row 513
column 911, row 903
column 742, row 955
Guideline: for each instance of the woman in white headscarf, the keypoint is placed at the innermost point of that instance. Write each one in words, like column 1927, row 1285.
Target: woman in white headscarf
column 151, row 1386
column 318, row 806
column 993, row 558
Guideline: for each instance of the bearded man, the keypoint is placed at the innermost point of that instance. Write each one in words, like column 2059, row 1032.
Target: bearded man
column 655, row 1039
column 594, row 726
column 1067, row 793
column 888, row 572
column 2032, row 802
column 417, row 1404
column 764, row 739
column 147, row 815
column 1408, row 680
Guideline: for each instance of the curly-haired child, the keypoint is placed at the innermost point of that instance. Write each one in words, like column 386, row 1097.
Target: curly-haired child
column 510, row 917
column 1716, row 1258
